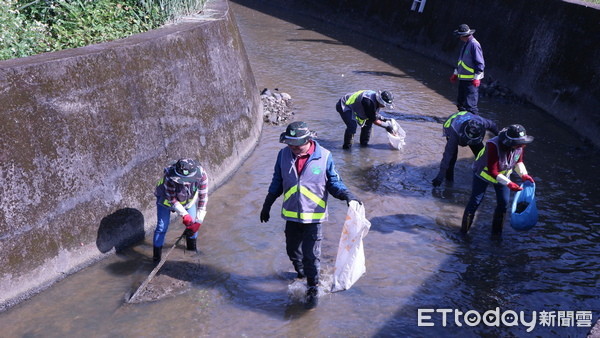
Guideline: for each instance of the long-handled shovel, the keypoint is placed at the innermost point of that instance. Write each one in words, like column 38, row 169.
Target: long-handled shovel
column 153, row 273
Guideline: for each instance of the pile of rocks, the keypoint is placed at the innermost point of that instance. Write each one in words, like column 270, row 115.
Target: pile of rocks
column 277, row 107
column 493, row 88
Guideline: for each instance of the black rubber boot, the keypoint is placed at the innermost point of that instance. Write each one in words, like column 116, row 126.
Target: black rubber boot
column 467, row 221
column 312, row 297
column 348, row 139
column 191, row 244
column 365, row 136
column 498, row 223
column 450, row 174
column 157, row 254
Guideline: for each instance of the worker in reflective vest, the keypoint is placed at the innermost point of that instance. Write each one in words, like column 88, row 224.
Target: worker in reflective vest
column 469, row 70
column 462, row 129
column 305, row 174
column 182, row 190
column 361, row 108
column 494, row 165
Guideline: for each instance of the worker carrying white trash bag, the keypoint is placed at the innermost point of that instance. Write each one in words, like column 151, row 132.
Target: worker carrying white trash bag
column 350, row 260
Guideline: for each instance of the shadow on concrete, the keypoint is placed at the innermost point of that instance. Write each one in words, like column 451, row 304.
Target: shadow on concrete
column 329, row 42
column 378, row 73
column 120, row 229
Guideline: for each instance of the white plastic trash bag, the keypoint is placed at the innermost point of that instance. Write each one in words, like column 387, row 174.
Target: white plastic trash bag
column 350, row 260
column 396, row 141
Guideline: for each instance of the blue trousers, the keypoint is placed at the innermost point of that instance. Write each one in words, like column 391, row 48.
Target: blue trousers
column 478, row 191
column 468, row 96
column 303, row 246
column 163, row 219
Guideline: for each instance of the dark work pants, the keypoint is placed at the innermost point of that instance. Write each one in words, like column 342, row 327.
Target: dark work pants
column 479, row 187
column 468, row 96
column 351, row 124
column 476, row 148
column 303, row 246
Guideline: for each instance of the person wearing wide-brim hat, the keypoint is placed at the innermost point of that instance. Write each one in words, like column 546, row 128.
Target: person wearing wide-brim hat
column 306, row 175
column 183, row 190
column 461, row 129
column 361, row 108
column 469, row 70
column 494, row 165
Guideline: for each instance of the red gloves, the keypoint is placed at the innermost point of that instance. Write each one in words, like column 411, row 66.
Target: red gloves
column 453, row 78
column 514, row 187
column 476, row 83
column 527, row 178
column 194, row 227
column 187, row 220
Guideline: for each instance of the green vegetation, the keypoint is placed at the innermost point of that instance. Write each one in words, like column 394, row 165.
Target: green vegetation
column 31, row 27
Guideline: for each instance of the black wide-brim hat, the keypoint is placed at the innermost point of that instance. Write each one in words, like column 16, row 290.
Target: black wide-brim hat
column 184, row 170
column 464, row 30
column 515, row 135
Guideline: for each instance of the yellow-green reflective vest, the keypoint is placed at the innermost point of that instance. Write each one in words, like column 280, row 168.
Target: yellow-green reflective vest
column 353, row 101
column 305, row 195
column 505, row 165
column 187, row 196
column 465, row 67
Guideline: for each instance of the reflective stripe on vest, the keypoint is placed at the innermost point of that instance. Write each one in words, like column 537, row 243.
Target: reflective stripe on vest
column 307, row 216
column 470, row 70
column 350, row 101
column 186, row 204
column 353, row 97
column 361, row 122
column 451, row 118
column 484, row 173
column 305, row 195
column 320, row 202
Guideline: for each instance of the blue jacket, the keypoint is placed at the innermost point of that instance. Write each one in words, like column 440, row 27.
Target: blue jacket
column 470, row 61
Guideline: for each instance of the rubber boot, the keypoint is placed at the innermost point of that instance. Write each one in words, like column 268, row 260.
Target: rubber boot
column 450, row 174
column 498, row 223
column 191, row 244
column 157, row 254
column 348, row 139
column 467, row 221
column 365, row 136
column 312, row 297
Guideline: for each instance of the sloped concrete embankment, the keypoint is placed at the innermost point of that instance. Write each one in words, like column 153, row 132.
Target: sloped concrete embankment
column 86, row 133
column 544, row 51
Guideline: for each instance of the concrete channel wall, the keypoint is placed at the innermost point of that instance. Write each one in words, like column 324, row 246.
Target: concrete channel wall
column 86, row 133
column 545, row 51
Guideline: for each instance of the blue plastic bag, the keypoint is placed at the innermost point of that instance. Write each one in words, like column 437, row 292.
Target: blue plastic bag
column 524, row 213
